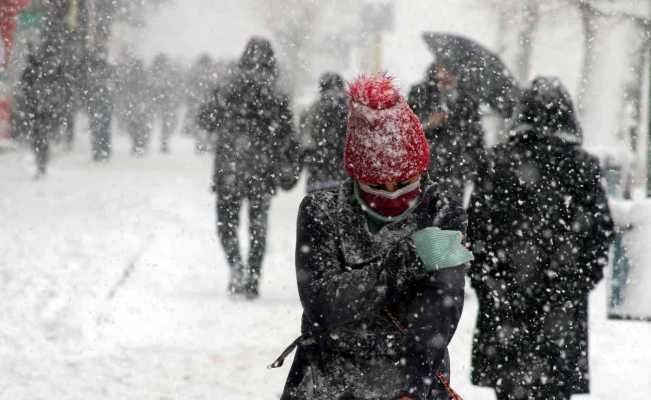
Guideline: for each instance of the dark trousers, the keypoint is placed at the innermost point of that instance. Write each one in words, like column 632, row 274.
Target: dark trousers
column 168, row 125
column 140, row 131
column 100, row 129
column 41, row 147
column 68, row 123
column 228, row 216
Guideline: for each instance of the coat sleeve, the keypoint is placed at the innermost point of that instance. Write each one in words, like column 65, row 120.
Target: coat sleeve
column 423, row 100
column 434, row 315
column 332, row 293
column 417, row 99
column 480, row 216
column 435, row 308
column 467, row 125
column 592, row 224
column 212, row 112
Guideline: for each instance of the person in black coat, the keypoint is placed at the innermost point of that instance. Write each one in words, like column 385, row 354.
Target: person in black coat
column 540, row 229
column 99, row 104
column 452, row 122
column 381, row 297
column 255, row 153
column 46, row 93
column 324, row 133
column 23, row 107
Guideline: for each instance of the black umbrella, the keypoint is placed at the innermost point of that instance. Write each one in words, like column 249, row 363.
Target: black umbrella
column 481, row 72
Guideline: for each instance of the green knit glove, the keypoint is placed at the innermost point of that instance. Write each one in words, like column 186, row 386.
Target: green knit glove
column 439, row 249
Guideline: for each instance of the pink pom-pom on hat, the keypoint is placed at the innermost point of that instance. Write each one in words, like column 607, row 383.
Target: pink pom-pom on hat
column 385, row 141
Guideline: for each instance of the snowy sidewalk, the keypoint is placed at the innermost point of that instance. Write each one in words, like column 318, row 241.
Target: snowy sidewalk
column 113, row 283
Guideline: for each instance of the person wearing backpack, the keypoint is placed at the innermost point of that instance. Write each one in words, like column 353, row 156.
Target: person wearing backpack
column 540, row 228
column 256, row 152
column 380, row 265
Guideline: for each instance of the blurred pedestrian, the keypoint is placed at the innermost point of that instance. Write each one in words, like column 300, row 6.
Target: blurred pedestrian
column 540, row 228
column 46, row 94
column 200, row 84
column 99, row 104
column 73, row 65
column 122, row 91
column 165, row 97
column 138, row 116
column 452, row 122
column 256, row 151
column 323, row 133
column 71, row 72
column 379, row 265
column 23, row 107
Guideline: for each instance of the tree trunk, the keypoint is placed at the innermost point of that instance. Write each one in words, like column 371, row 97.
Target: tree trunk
column 589, row 31
column 530, row 16
column 646, row 117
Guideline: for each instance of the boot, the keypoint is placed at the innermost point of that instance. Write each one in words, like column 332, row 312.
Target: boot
column 236, row 283
column 251, row 291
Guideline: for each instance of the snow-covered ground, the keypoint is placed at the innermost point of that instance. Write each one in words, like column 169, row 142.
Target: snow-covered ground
column 113, row 286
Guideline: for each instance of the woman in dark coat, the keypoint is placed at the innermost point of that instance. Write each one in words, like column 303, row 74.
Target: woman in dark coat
column 540, row 229
column 379, row 265
column 256, row 152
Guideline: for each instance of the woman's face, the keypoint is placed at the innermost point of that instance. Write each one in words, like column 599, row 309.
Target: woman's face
column 393, row 186
column 447, row 81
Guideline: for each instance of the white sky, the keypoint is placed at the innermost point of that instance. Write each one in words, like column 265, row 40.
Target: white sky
column 187, row 28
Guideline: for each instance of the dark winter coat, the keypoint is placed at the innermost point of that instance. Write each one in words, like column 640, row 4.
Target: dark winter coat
column 256, row 150
column 138, row 114
column 24, row 102
column 46, row 93
column 165, row 87
column 457, row 145
column 201, row 80
column 348, row 278
column 323, row 137
column 540, row 227
column 99, row 90
column 123, row 92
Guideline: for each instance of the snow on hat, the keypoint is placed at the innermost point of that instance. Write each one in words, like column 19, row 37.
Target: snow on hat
column 385, row 141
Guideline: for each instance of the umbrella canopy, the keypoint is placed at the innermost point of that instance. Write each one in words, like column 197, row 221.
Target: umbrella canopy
column 481, row 72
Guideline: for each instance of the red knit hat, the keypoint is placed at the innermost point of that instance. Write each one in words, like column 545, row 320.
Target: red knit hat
column 385, row 141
